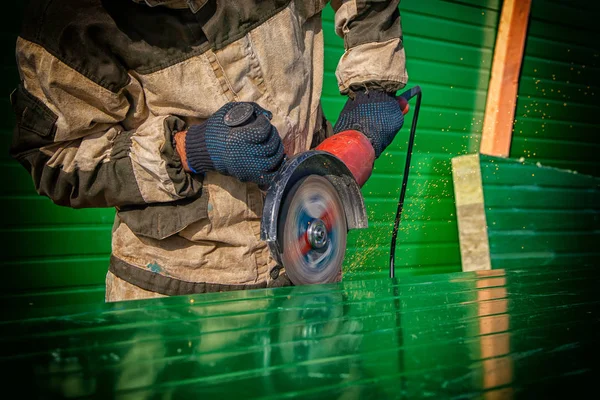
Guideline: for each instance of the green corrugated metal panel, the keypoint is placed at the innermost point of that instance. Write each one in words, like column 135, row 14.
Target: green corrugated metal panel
column 527, row 333
column 559, row 90
column 540, row 216
column 449, row 49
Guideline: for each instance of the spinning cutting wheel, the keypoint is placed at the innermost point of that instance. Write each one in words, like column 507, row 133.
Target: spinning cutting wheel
column 312, row 231
column 310, row 206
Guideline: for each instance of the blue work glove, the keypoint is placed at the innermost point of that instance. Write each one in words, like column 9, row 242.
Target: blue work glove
column 238, row 140
column 376, row 114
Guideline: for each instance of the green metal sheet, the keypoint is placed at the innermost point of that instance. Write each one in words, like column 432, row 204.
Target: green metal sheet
column 540, row 215
column 558, row 104
column 525, row 333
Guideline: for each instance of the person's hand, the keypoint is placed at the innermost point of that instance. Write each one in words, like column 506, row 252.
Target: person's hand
column 376, row 114
column 238, row 140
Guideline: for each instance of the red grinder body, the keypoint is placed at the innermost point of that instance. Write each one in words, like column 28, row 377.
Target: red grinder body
column 355, row 150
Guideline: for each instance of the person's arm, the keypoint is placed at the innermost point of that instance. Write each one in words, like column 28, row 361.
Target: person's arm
column 88, row 140
column 374, row 55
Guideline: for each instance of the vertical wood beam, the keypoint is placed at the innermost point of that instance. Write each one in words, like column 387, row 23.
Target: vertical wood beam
column 470, row 213
column 504, row 82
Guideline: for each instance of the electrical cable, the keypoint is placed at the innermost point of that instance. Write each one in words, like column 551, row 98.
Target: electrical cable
column 409, row 94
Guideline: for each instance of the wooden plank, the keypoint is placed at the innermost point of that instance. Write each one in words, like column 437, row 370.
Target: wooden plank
column 472, row 226
column 502, row 92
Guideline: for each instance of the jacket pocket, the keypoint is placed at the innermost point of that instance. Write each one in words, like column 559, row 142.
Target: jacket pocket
column 35, row 123
column 161, row 220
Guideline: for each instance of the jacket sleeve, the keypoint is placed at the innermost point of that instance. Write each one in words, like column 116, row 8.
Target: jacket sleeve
column 374, row 52
column 87, row 146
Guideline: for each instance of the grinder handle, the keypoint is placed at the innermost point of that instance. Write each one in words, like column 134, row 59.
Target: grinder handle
column 403, row 104
column 404, row 97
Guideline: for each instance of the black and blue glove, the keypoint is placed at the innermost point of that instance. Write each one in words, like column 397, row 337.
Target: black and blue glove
column 238, row 140
column 376, row 114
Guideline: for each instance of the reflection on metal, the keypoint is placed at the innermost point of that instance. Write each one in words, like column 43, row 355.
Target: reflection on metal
column 485, row 334
column 494, row 334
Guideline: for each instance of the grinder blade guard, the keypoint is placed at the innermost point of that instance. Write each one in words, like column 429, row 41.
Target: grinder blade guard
column 309, row 208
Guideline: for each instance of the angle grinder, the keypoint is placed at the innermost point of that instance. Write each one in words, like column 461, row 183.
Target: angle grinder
column 315, row 200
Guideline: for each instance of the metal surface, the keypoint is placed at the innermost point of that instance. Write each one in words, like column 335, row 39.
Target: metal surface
column 540, row 215
column 556, row 117
column 524, row 333
column 312, row 232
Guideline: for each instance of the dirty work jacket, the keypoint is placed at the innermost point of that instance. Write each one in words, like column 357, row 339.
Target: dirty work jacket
column 105, row 84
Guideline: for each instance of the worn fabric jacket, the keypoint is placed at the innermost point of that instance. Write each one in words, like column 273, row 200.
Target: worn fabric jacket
column 105, row 84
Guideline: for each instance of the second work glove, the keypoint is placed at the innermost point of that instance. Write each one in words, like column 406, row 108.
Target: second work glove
column 376, row 114
column 238, row 140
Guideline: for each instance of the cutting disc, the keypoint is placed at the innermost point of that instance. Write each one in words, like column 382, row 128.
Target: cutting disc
column 312, row 232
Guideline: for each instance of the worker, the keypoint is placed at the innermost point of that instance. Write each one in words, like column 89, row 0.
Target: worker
column 179, row 113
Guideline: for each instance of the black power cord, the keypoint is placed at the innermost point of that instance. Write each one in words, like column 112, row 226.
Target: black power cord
column 409, row 94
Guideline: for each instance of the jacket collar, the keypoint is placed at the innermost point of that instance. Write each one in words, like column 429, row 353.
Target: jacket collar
column 194, row 5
